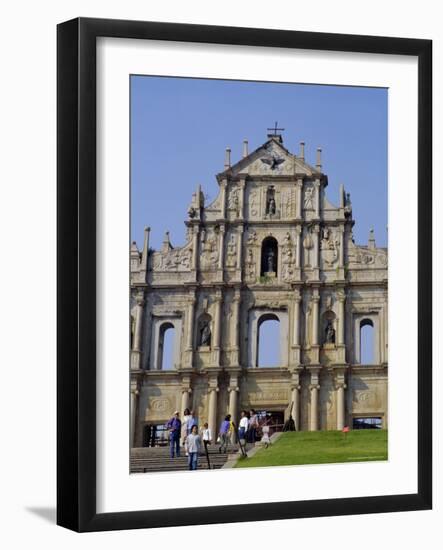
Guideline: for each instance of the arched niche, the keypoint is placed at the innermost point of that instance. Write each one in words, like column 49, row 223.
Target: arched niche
column 204, row 330
column 268, row 341
column 256, row 318
column 165, row 330
column 329, row 328
column 269, row 257
column 366, row 334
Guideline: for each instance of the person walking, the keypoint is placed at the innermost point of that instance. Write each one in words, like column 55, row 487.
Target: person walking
column 174, row 426
column 184, row 430
column 253, row 425
column 206, row 436
column 243, row 425
column 193, row 442
column 224, row 433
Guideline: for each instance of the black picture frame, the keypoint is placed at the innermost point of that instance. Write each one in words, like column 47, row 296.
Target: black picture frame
column 76, row 281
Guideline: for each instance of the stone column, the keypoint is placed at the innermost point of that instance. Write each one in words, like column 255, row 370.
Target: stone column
column 316, row 234
column 221, row 243
column 190, row 325
column 223, row 186
column 233, row 407
column 299, row 187
column 296, row 321
column 134, row 399
column 186, row 393
column 239, row 247
column 217, row 321
column 298, row 231
column 235, row 329
column 140, row 301
column 296, row 406
column 314, row 389
column 194, row 247
column 341, row 255
column 315, row 308
column 340, row 393
column 341, row 318
column 241, row 200
column 212, row 410
column 317, row 198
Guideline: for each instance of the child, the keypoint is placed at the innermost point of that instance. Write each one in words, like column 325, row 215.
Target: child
column 266, row 441
column 193, row 443
column 224, row 433
column 206, row 436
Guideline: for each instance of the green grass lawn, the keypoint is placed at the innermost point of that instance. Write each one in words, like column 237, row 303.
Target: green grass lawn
column 321, row 448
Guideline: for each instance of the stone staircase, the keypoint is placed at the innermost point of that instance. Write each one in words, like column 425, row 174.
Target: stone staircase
column 156, row 459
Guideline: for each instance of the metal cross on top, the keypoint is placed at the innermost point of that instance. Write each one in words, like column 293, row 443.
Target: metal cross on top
column 275, row 129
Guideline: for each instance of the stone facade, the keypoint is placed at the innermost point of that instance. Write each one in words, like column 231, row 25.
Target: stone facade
column 270, row 246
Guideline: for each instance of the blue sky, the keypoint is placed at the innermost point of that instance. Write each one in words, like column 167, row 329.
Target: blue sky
column 181, row 127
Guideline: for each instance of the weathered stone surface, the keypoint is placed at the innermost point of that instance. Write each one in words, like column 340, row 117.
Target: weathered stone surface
column 322, row 288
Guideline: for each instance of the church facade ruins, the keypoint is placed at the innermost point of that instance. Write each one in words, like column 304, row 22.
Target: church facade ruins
column 270, row 247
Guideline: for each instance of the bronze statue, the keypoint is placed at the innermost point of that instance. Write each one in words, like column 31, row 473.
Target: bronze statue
column 330, row 333
column 205, row 335
column 270, row 260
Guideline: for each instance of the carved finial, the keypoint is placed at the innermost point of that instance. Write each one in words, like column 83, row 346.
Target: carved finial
column 371, row 241
column 145, row 252
column 245, row 148
column 318, row 162
column 342, row 196
column 227, row 158
column 166, row 242
column 302, row 150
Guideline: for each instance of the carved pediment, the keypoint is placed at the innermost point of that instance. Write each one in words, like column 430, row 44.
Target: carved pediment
column 271, row 159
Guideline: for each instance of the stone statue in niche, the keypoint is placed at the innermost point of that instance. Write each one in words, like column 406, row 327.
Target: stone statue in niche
column 231, row 259
column 270, row 261
column 205, row 335
column 270, row 201
column 271, row 206
column 329, row 333
column 233, row 200
column 309, row 199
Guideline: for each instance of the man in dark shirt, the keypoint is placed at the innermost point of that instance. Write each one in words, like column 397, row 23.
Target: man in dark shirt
column 174, row 426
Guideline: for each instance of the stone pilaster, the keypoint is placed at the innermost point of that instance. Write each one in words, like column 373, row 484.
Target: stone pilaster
column 186, row 394
column 298, row 204
column 190, row 330
column 315, row 318
column 340, row 392
column 217, row 319
column 221, row 249
column 316, row 239
column 314, row 389
column 233, row 392
column 134, row 403
column 223, row 187
column 212, row 406
column 341, row 318
column 138, row 335
column 295, row 396
column 239, row 247
column 341, row 254
column 194, row 261
column 296, row 320
column 241, row 200
column 340, row 398
column 317, row 198
column 235, row 329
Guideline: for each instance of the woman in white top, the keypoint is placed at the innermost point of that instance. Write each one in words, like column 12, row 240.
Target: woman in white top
column 243, row 425
column 206, row 435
